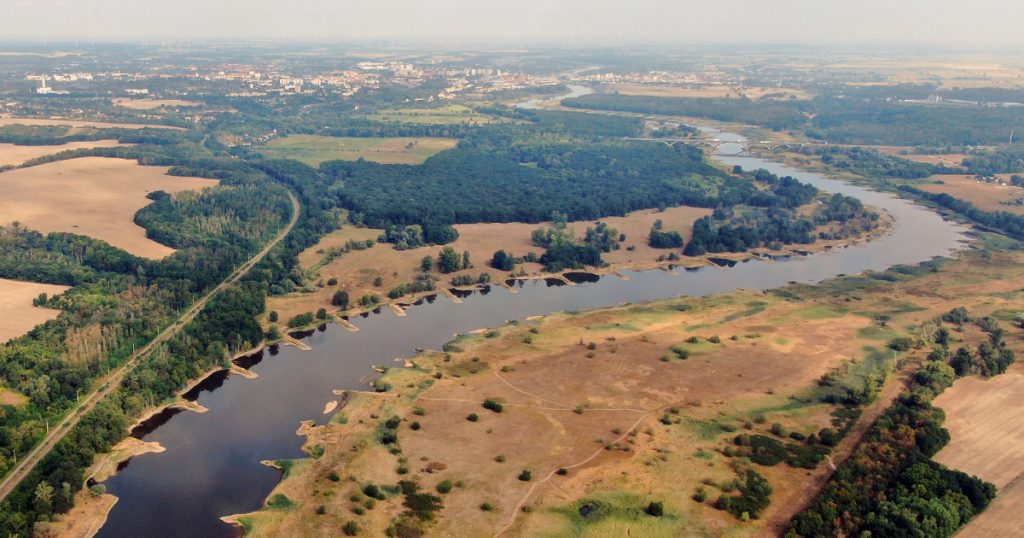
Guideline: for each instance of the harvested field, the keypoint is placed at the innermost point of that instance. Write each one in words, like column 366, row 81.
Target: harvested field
column 93, row 196
column 986, row 196
column 985, row 419
column 7, row 120
column 17, row 315
column 14, row 155
column 150, row 104
column 313, row 150
column 951, row 159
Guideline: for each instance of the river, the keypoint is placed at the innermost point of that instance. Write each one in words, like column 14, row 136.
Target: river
column 211, row 467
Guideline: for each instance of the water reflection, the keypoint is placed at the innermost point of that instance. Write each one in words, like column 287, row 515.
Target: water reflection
column 211, row 467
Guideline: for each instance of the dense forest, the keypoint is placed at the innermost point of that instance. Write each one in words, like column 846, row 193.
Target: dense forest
column 838, row 118
column 121, row 301
column 1002, row 221
column 772, row 114
column 1003, row 160
column 890, row 486
column 584, row 182
column 870, row 163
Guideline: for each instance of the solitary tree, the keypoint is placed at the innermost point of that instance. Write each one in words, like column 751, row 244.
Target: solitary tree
column 449, row 261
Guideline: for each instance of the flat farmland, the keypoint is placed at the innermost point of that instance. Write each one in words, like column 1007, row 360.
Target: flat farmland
column 987, row 196
column 985, row 419
column 150, row 104
column 93, row 196
column 949, row 159
column 313, row 150
column 49, row 122
column 11, row 154
column 448, row 115
column 17, row 315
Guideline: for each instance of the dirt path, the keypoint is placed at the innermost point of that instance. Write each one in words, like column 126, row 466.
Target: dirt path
column 529, row 493
column 112, row 380
column 778, row 522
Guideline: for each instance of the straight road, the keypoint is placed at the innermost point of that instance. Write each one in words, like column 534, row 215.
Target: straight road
column 112, row 380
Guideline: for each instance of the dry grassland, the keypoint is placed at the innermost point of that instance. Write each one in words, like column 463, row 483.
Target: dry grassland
column 736, row 92
column 13, row 155
column 7, row 120
column 951, row 159
column 594, row 412
column 150, row 104
column 17, row 315
column 314, row 149
column 986, row 196
column 93, row 196
column 959, row 72
column 357, row 270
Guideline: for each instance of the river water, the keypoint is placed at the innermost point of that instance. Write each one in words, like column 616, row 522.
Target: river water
column 211, row 467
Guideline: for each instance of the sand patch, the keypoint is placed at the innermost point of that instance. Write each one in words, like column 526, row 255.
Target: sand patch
column 93, row 196
column 84, row 520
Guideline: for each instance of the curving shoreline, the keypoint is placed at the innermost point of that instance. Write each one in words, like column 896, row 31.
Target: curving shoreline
column 830, row 263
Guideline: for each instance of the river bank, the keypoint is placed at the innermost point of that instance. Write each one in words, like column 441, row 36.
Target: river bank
column 244, row 426
column 536, row 371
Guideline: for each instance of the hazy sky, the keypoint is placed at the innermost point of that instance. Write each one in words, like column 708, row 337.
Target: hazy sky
column 611, row 22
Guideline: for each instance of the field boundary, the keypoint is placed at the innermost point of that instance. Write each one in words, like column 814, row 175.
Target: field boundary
column 111, row 381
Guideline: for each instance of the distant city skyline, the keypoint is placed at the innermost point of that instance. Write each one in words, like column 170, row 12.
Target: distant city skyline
column 587, row 22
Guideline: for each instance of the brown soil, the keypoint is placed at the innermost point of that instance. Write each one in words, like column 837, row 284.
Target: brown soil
column 617, row 445
column 93, row 196
column 84, row 520
column 620, row 392
column 951, row 159
column 986, row 196
column 17, row 315
column 150, row 104
column 13, row 155
column 985, row 419
column 7, row 120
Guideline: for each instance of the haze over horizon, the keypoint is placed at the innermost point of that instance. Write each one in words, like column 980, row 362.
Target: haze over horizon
column 604, row 22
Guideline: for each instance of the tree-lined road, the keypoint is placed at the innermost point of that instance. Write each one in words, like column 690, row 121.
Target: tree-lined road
column 112, row 380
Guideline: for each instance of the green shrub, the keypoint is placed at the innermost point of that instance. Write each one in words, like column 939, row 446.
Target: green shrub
column 493, row 406
column 279, row 502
